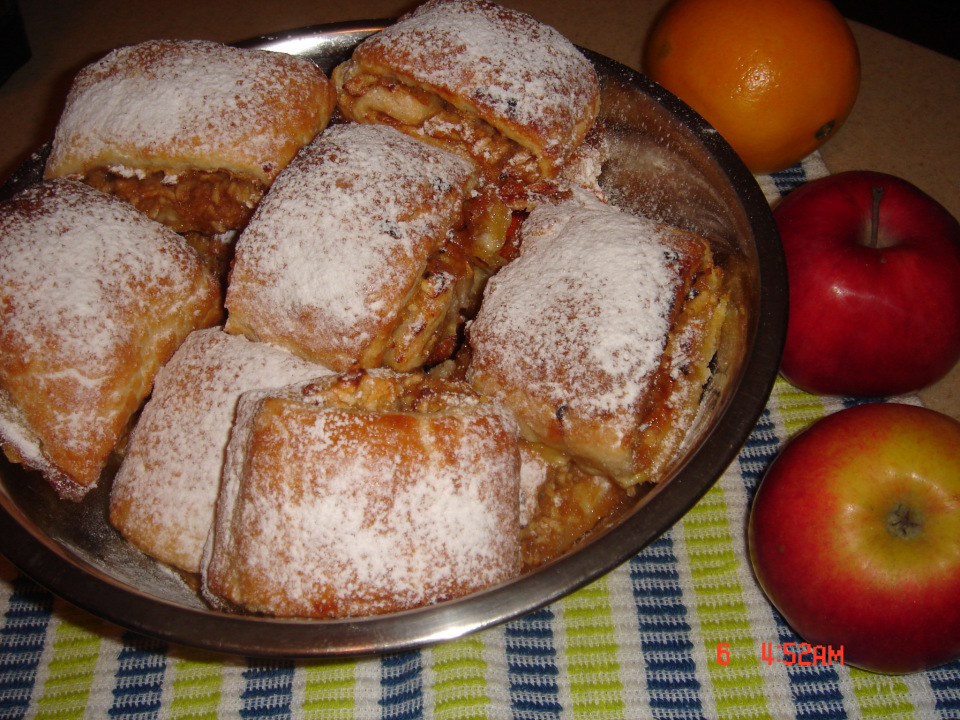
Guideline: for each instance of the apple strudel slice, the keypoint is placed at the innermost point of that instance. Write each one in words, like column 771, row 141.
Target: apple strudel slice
column 191, row 132
column 164, row 494
column 353, row 260
column 488, row 82
column 362, row 494
column 94, row 298
column 599, row 337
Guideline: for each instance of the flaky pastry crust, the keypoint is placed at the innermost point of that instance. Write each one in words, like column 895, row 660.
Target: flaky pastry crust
column 490, row 82
column 191, row 132
column 364, row 494
column 599, row 336
column 164, row 494
column 350, row 260
column 94, row 299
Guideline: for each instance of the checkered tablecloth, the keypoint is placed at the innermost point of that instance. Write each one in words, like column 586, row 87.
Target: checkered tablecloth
column 681, row 630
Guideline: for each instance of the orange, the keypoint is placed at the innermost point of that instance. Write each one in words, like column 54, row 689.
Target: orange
column 776, row 78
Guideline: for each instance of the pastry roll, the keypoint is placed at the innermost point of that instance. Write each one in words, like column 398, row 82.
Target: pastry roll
column 487, row 81
column 352, row 259
column 191, row 132
column 94, row 298
column 600, row 335
column 164, row 494
column 363, row 494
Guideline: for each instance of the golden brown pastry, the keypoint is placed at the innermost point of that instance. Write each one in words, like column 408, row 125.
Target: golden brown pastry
column 164, row 494
column 352, row 259
column 94, row 298
column 599, row 336
column 191, row 132
column 489, row 82
column 364, row 494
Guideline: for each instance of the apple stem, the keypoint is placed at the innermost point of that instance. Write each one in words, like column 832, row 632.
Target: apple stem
column 875, row 217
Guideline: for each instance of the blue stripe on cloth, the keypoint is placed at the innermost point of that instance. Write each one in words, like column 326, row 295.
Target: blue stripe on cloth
column 815, row 689
column 22, row 639
column 268, row 690
column 787, row 180
column 401, row 686
column 665, row 638
column 532, row 672
column 757, row 452
column 849, row 402
column 946, row 689
column 141, row 666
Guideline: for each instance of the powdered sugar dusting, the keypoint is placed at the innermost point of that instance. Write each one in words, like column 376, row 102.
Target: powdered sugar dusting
column 165, row 491
column 534, row 472
column 343, row 234
column 388, row 509
column 581, row 318
column 191, row 102
column 80, row 274
column 506, row 64
column 65, row 266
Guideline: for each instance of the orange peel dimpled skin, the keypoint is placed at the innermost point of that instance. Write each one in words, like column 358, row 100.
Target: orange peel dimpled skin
column 776, row 79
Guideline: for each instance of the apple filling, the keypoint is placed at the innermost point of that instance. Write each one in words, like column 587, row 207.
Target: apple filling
column 370, row 392
column 428, row 331
column 685, row 370
column 491, row 236
column 209, row 202
column 386, row 99
column 565, row 503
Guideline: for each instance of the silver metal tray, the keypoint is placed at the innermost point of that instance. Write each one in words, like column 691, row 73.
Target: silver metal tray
column 667, row 163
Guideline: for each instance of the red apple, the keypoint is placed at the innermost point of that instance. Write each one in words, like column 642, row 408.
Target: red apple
column 874, row 271
column 854, row 536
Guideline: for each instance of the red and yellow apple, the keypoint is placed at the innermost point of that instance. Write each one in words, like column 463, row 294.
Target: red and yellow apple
column 854, row 536
column 874, row 271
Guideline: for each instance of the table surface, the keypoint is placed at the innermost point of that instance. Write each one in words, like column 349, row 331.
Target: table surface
column 904, row 121
column 664, row 613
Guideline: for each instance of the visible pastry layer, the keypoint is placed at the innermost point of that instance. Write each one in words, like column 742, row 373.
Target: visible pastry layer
column 164, row 494
column 191, row 132
column 352, row 260
column 94, row 299
column 489, row 82
column 364, row 494
column 599, row 336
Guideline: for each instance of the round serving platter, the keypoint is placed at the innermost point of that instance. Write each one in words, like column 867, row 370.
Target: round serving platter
column 665, row 162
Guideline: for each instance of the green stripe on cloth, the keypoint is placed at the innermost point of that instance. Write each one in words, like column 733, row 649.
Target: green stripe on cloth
column 596, row 688
column 329, row 691
column 460, row 686
column 196, row 689
column 737, row 684
column 70, row 672
column 881, row 696
column 797, row 408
